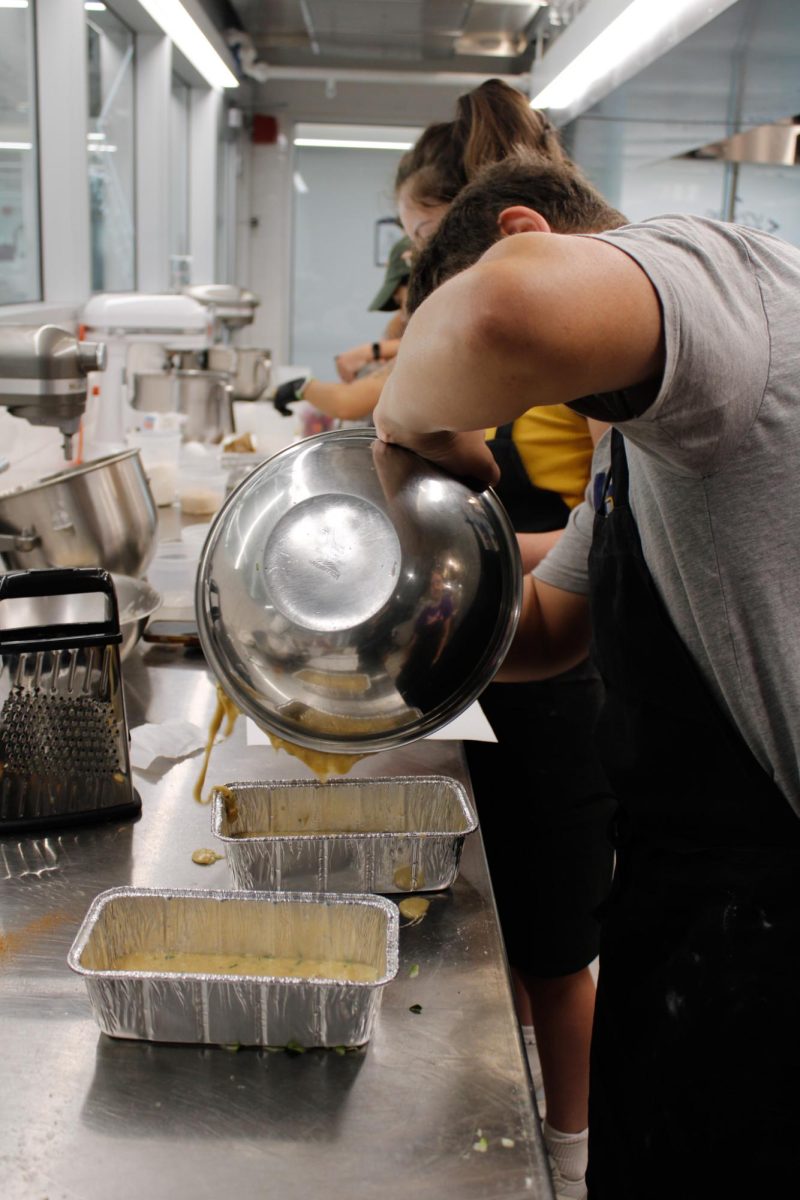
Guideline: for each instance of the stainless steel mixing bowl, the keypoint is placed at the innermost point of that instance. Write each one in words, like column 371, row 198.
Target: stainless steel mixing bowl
column 205, row 398
column 100, row 514
column 351, row 597
column 136, row 601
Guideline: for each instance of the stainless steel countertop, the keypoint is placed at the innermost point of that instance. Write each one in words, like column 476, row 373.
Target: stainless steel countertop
column 89, row 1118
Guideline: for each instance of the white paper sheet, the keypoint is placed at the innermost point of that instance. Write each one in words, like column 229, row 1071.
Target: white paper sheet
column 470, row 726
column 169, row 740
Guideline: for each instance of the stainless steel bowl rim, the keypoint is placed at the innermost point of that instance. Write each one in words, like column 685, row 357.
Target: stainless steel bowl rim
column 69, row 473
column 387, row 739
column 145, row 600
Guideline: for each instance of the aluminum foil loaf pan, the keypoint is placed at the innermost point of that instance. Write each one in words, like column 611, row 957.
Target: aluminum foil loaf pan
column 401, row 834
column 222, row 967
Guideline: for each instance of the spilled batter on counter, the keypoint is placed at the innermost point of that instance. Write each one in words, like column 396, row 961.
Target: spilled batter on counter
column 414, row 908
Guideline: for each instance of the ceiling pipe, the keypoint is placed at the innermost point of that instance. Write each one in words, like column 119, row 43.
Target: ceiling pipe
column 402, row 78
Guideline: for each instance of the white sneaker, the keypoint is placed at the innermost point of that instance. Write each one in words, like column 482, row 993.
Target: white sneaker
column 567, row 1189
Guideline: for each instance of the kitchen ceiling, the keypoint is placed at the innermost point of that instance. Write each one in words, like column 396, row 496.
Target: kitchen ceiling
column 737, row 71
column 435, row 35
column 309, row 57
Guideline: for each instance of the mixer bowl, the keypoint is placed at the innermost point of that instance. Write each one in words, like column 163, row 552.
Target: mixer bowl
column 351, row 597
column 203, row 397
column 136, row 601
column 99, row 514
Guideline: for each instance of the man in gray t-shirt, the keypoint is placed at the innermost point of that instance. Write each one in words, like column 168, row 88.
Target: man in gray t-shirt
column 682, row 565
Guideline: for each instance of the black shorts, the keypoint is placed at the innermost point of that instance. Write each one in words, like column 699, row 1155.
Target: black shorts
column 545, row 807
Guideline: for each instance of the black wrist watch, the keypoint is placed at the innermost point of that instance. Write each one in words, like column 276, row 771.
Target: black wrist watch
column 376, row 351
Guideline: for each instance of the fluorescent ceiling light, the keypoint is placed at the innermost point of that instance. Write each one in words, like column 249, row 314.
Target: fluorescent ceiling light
column 94, row 6
column 96, row 148
column 346, row 144
column 16, row 145
column 642, row 22
column 13, row 3
column 191, row 41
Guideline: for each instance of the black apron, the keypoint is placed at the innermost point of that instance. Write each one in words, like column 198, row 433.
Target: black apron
column 543, row 779
column 696, row 1046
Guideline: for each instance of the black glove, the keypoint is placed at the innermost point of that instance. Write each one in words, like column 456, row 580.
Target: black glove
column 289, row 393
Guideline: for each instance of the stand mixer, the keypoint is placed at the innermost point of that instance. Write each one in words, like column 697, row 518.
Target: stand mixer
column 44, row 375
column 234, row 308
column 137, row 329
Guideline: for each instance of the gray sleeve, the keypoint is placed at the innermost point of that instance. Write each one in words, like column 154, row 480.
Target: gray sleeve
column 716, row 340
column 567, row 564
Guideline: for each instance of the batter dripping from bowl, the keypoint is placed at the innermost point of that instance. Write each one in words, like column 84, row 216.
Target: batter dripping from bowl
column 324, row 764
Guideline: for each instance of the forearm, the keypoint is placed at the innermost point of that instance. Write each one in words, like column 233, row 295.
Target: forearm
column 350, row 362
column 347, row 401
column 553, row 634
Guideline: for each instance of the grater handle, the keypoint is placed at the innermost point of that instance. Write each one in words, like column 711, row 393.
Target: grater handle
column 60, row 581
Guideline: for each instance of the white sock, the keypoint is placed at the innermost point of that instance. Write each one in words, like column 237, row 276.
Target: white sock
column 569, row 1151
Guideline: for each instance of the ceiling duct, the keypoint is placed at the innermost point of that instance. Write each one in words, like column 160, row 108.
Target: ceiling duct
column 776, row 144
column 425, row 35
column 497, row 28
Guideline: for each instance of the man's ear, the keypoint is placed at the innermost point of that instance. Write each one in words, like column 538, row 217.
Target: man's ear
column 519, row 219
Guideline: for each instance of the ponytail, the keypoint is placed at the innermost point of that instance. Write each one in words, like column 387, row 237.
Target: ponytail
column 492, row 122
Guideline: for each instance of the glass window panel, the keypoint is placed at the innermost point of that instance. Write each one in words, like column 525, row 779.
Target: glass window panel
column 20, row 275
column 110, row 147
column 768, row 198
column 179, row 183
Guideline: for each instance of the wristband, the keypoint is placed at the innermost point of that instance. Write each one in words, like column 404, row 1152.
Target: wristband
column 376, row 351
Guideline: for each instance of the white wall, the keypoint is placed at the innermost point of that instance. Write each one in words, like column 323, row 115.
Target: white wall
column 263, row 245
column 335, row 277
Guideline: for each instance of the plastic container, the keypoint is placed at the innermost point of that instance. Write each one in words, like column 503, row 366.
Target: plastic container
column 194, row 536
column 201, row 481
column 173, row 571
column 159, row 451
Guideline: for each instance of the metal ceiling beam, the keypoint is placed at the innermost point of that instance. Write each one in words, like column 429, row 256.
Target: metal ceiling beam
column 403, row 78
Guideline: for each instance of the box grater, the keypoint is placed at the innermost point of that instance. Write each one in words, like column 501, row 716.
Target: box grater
column 63, row 731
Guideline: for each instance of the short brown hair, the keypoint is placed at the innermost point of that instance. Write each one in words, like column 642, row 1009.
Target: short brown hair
column 558, row 191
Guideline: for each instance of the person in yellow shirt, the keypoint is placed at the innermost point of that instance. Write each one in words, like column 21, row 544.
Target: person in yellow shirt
column 543, row 799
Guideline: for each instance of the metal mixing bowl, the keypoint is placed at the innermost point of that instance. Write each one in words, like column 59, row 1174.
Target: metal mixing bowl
column 99, row 514
column 351, row 597
column 136, row 601
column 203, row 397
